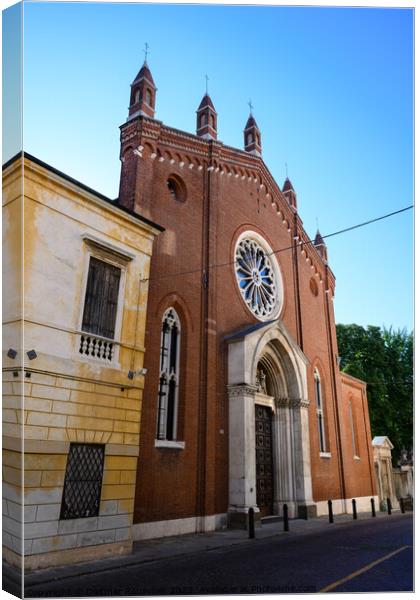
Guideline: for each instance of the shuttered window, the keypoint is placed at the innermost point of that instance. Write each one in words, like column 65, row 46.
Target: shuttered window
column 101, row 300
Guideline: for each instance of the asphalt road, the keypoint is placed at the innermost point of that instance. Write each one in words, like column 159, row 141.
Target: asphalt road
column 373, row 555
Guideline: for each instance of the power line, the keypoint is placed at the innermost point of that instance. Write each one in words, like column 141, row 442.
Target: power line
column 301, row 244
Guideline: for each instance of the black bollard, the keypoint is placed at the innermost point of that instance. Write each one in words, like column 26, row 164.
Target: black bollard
column 330, row 512
column 372, row 503
column 251, row 525
column 402, row 505
column 389, row 506
column 285, row 517
column 354, row 509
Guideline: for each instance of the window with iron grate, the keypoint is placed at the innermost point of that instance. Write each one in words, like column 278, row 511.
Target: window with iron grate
column 83, row 481
column 169, row 376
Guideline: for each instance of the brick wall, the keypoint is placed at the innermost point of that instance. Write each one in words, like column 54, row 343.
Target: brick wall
column 202, row 231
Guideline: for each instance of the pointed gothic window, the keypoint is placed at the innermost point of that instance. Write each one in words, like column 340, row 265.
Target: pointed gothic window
column 213, row 121
column 148, row 97
column 203, row 120
column 320, row 413
column 249, row 139
column 168, row 376
column 137, row 97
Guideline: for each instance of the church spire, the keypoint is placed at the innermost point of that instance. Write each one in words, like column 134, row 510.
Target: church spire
column 143, row 93
column 252, row 135
column 321, row 246
column 207, row 117
column 289, row 192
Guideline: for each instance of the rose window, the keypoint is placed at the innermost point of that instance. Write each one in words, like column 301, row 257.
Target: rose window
column 257, row 278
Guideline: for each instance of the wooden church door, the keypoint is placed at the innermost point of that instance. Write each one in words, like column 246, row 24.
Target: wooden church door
column 264, row 459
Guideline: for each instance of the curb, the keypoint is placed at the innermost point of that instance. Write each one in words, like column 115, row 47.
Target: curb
column 311, row 527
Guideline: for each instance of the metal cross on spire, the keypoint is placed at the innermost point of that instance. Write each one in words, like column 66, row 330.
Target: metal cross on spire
column 250, row 106
column 287, row 174
column 207, row 84
column 146, row 51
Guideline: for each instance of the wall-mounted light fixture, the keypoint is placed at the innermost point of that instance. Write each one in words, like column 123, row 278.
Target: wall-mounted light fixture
column 31, row 354
column 132, row 374
column 11, row 353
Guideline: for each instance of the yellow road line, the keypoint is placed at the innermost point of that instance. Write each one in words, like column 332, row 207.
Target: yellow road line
column 331, row 586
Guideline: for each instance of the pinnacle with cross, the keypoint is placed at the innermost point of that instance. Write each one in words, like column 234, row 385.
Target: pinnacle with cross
column 146, row 52
column 250, row 107
column 207, row 85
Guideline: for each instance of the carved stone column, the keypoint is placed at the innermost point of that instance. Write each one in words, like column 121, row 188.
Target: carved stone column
column 282, row 457
column 302, row 458
column 242, row 473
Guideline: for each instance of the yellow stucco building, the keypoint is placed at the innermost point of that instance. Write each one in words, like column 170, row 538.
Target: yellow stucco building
column 75, row 269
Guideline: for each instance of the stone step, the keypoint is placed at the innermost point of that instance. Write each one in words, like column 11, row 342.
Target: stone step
column 271, row 519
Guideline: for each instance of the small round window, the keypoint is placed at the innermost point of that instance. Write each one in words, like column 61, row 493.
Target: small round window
column 176, row 188
column 258, row 276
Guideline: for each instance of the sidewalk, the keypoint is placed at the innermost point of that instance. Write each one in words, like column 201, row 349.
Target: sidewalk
column 173, row 547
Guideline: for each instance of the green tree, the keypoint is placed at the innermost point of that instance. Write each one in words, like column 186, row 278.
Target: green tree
column 384, row 359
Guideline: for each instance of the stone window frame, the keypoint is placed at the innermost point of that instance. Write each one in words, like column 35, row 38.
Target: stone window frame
column 162, row 439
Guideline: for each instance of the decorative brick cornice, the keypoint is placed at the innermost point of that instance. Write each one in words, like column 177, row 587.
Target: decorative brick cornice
column 222, row 158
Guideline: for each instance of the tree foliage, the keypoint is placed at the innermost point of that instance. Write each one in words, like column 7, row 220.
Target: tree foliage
column 384, row 359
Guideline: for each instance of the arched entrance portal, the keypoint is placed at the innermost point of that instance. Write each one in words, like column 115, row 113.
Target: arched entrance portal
column 269, row 461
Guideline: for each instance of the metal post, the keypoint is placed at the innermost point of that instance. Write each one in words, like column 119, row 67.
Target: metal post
column 354, row 509
column 285, row 517
column 389, row 505
column 372, row 503
column 330, row 512
column 251, row 527
column 402, row 505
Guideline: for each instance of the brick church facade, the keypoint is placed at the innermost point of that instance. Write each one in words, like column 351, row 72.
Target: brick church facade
column 244, row 404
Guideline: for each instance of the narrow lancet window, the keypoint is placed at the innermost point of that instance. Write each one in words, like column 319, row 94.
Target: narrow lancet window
column 169, row 376
column 320, row 412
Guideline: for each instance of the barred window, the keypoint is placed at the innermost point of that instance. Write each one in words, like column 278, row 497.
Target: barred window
column 320, row 412
column 83, row 481
column 169, row 376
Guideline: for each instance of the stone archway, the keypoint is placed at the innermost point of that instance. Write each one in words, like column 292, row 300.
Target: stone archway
column 270, row 347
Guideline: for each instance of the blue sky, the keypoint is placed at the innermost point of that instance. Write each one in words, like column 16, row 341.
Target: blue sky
column 332, row 90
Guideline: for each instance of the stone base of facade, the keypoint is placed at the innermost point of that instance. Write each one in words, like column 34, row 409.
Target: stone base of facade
column 172, row 527
column 307, row 511
column 344, row 506
column 239, row 519
column 12, row 558
column 71, row 556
